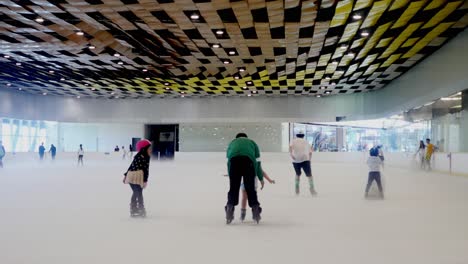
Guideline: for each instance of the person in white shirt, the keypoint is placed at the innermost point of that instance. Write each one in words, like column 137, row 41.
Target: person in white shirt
column 375, row 163
column 80, row 155
column 301, row 153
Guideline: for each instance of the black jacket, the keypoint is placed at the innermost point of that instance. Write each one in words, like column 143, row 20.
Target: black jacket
column 140, row 162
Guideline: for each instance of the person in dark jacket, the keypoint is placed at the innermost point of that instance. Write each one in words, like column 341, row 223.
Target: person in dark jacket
column 53, row 151
column 243, row 157
column 137, row 177
column 2, row 154
column 41, row 151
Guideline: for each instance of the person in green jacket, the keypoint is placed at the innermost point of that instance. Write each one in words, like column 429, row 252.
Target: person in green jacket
column 244, row 164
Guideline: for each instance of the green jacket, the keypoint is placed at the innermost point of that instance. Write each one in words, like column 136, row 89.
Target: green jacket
column 248, row 148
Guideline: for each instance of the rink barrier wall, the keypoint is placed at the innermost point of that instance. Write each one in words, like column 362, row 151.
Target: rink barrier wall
column 441, row 161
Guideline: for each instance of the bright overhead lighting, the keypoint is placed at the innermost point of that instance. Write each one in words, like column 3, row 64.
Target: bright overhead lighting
column 254, row 92
column 78, row 97
column 86, row 84
column 219, row 32
column 249, row 82
column 245, row 87
column 232, row 52
column 226, row 62
column 365, row 34
column 357, row 17
column 93, row 89
column 20, row 89
column 236, row 77
column 194, row 16
column 147, row 78
column 6, row 56
column 44, row 93
column 145, row 70
column 323, row 87
column 51, row 71
column 91, row 47
column 182, row 92
column 8, row 84
column 318, row 96
column 39, row 20
column 450, row 98
column 216, row 46
column 241, row 69
column 18, row 64
column 167, row 88
column 249, row 95
column 327, row 78
column 333, row 83
column 62, row 79
column 182, row 96
column 120, row 63
column 166, row 83
column 112, row 93
column 80, row 33
column 116, row 55
column 328, row 92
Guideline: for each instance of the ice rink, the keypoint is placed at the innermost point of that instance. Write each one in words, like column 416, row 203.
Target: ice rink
column 56, row 213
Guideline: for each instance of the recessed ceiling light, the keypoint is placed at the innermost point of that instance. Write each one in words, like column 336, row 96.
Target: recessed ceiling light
column 166, row 83
column 318, row 96
column 195, row 16
column 241, row 69
column 328, row 92
column 167, row 88
column 93, row 89
column 62, row 79
column 78, row 97
column 245, row 87
column 254, row 92
column 249, row 82
column 6, row 56
column 120, row 63
column 80, row 33
column 8, row 84
column 226, row 62
column 145, row 70
column 357, row 16
column 44, row 93
column 182, row 92
column 91, row 47
column 219, row 32
column 112, row 93
column 249, row 95
column 86, row 84
column 147, row 78
column 20, row 89
column 116, row 55
column 51, row 71
column 327, row 78
column 323, row 87
column 236, row 77
column 215, row 46
column 18, row 64
column 39, row 20
column 232, row 52
column 364, row 34
column 333, row 83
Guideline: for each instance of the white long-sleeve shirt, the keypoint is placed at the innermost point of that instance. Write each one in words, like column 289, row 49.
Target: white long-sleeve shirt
column 374, row 163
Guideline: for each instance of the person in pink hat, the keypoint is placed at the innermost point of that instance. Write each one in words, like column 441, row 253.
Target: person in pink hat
column 137, row 177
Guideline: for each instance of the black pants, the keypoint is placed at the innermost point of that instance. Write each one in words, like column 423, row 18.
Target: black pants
column 374, row 176
column 80, row 159
column 136, row 201
column 242, row 167
column 305, row 166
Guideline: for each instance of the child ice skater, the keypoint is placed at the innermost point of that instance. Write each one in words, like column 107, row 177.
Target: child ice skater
column 374, row 163
column 244, row 195
column 137, row 177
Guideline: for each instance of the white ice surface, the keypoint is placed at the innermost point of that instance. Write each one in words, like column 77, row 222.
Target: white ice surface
column 61, row 214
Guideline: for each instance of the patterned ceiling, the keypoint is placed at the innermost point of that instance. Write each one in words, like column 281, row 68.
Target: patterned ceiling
column 168, row 48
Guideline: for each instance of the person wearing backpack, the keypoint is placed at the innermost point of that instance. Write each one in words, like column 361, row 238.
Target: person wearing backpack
column 2, row 154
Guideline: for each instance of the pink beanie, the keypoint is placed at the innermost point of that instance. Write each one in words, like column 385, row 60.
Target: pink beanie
column 142, row 144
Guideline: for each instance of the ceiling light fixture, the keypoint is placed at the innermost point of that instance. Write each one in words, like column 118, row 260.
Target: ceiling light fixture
column 226, row 62
column 334, row 62
column 78, row 97
column 167, row 88
column 120, row 63
column 333, row 83
column 93, row 89
column 147, row 78
column 357, row 16
column 318, row 96
column 232, row 52
column 249, row 95
column 254, row 92
column 18, row 64
column 80, row 33
column 215, row 46
column 219, row 32
column 92, row 47
column 8, row 84
column 245, row 87
column 20, row 89
column 116, row 55
column 249, row 82
column 39, row 20
column 343, row 47
column 327, row 78
column 241, row 69
column 86, row 84
column 44, row 93
column 145, row 70
column 236, row 77
column 112, row 93
column 62, row 79
column 323, row 87
column 195, row 16
column 6, row 56
column 328, row 92
column 51, row 71
column 364, row 34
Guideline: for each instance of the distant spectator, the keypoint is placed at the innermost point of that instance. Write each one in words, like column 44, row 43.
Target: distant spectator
column 53, row 151
column 80, row 155
column 116, row 149
column 42, row 150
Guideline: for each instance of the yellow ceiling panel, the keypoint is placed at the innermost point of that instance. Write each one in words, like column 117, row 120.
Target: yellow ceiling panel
column 428, row 38
column 375, row 13
column 410, row 11
column 368, row 60
column 435, row 4
column 384, row 42
column 350, row 31
column 410, row 42
column 351, row 69
column 360, row 4
column 373, row 40
column 398, row 4
column 400, row 39
column 343, row 9
column 442, row 14
column 371, row 69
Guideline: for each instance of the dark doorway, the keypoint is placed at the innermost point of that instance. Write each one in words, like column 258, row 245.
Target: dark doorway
column 165, row 139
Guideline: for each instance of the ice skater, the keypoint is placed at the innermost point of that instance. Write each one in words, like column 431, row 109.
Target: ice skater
column 124, row 156
column 130, row 151
column 421, row 153
column 301, row 154
column 41, row 151
column 137, row 177
column 2, row 154
column 244, row 164
column 374, row 163
column 244, row 194
column 430, row 148
column 53, row 151
column 80, row 155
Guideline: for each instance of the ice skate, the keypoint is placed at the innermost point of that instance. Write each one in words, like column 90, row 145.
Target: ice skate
column 134, row 211
column 256, row 211
column 313, row 192
column 243, row 214
column 142, row 212
column 229, row 213
column 297, row 189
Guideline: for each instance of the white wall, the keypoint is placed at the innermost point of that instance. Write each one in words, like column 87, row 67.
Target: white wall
column 97, row 137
